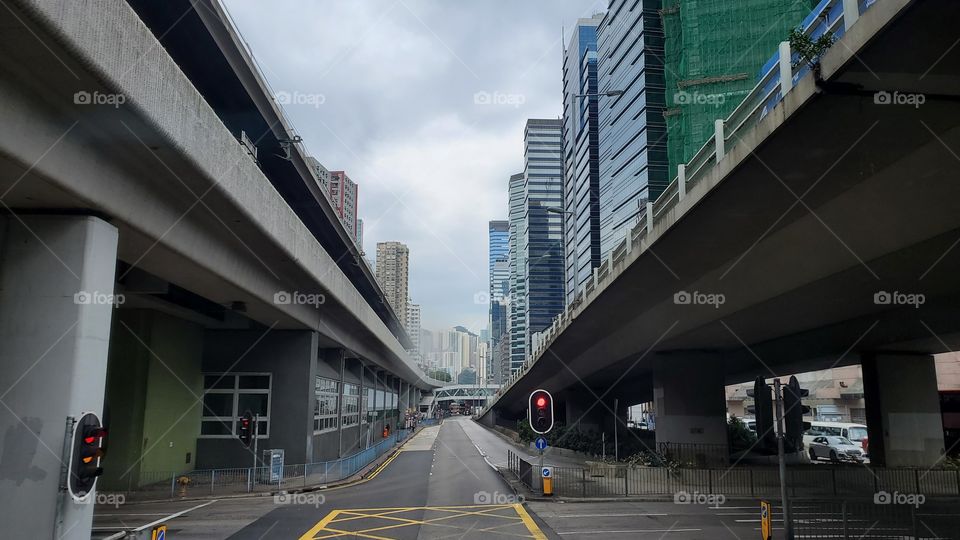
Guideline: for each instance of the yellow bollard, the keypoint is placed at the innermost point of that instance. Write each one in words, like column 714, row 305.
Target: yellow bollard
column 547, row 477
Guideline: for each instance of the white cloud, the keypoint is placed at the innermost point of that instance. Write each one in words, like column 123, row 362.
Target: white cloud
column 399, row 79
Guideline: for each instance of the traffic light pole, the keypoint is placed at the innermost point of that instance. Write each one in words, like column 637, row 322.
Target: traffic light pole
column 785, row 502
column 254, row 428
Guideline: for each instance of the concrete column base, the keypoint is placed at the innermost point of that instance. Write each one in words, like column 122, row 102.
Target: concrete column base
column 904, row 423
column 689, row 401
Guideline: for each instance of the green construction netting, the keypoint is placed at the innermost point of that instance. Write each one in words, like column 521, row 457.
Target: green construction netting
column 713, row 51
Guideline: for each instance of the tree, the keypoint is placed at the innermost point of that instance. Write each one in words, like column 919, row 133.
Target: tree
column 440, row 375
column 467, row 376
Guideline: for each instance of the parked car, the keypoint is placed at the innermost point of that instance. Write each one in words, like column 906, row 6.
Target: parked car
column 852, row 431
column 836, row 449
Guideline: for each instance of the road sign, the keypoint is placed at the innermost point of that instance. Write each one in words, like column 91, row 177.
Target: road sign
column 159, row 533
column 546, row 472
column 766, row 520
column 541, row 444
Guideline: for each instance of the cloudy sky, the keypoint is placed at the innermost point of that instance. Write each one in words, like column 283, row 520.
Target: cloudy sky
column 423, row 103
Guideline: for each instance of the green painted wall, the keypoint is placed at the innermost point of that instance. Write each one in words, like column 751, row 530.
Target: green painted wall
column 153, row 390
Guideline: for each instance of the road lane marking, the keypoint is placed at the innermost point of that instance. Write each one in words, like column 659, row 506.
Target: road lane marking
column 559, row 516
column 530, row 524
column 634, row 531
column 350, row 522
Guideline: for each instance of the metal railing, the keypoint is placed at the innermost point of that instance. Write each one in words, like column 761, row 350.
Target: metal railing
column 776, row 79
column 856, row 519
column 204, row 482
column 618, row 480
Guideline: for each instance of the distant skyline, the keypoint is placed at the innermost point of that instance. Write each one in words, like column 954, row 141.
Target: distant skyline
column 423, row 105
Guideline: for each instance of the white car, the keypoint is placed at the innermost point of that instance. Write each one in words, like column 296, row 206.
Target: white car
column 835, row 449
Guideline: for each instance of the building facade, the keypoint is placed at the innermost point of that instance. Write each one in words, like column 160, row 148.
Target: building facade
column 498, row 234
column 541, row 235
column 517, row 271
column 633, row 143
column 344, row 196
column 581, row 165
column 413, row 330
column 393, row 259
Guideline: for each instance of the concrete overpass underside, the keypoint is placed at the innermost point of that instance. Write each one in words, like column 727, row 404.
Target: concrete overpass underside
column 829, row 201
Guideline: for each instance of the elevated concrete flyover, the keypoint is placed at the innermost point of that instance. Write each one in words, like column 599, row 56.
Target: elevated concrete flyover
column 822, row 232
column 118, row 179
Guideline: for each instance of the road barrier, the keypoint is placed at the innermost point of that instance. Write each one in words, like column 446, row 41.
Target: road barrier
column 200, row 483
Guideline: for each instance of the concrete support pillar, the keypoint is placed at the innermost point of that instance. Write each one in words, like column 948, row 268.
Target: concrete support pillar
column 56, row 305
column 904, row 424
column 689, row 399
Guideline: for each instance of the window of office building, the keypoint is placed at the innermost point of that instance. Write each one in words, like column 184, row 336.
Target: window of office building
column 226, row 397
column 325, row 414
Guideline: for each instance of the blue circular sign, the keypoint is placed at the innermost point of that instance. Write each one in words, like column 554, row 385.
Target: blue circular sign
column 541, row 443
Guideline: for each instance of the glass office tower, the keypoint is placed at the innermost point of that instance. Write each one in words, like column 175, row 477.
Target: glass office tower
column 633, row 142
column 581, row 167
column 541, row 239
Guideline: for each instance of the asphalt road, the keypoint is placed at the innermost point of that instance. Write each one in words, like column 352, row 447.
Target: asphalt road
column 442, row 484
column 437, row 486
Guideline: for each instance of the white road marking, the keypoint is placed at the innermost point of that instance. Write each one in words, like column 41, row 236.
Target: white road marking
column 560, row 516
column 634, row 531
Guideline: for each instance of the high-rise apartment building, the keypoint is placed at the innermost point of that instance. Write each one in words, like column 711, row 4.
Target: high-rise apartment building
column 321, row 174
column 360, row 234
column 393, row 259
column 413, row 330
column 541, row 236
column 633, row 142
column 581, row 162
column 343, row 195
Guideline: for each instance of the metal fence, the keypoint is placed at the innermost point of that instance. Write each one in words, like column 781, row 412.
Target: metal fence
column 610, row 480
column 198, row 483
column 850, row 519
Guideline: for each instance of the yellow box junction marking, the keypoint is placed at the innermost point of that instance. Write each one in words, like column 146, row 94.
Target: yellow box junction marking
column 338, row 523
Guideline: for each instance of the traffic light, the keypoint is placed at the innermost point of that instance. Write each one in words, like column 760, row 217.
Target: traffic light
column 541, row 411
column 793, row 412
column 763, row 412
column 88, row 447
column 246, row 428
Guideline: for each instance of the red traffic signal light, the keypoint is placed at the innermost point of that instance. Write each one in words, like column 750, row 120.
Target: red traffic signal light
column 89, row 442
column 245, row 430
column 541, row 411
